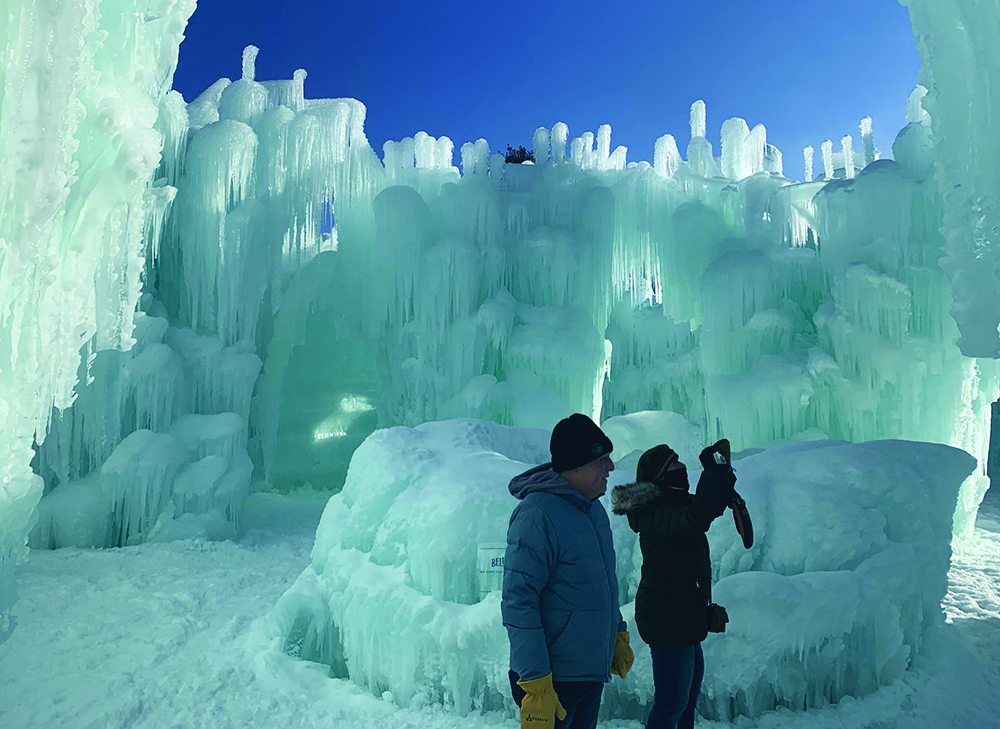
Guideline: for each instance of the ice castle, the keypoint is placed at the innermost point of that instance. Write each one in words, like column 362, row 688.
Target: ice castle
column 197, row 295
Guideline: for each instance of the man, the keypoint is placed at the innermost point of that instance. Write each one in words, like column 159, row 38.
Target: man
column 560, row 592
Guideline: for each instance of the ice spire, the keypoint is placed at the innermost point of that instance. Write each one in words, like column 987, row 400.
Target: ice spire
column 475, row 157
column 603, row 146
column 250, row 63
column 827, row 150
column 867, row 141
column 698, row 119
column 756, row 148
column 847, row 144
column 700, row 158
column 540, row 145
column 666, row 157
column 560, row 133
column 772, row 160
column 734, row 148
column 808, row 153
column 915, row 113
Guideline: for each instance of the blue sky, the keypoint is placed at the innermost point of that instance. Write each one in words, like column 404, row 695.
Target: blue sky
column 807, row 69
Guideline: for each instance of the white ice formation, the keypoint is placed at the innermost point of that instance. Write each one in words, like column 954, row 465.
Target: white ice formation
column 391, row 598
column 83, row 85
column 264, row 235
column 960, row 73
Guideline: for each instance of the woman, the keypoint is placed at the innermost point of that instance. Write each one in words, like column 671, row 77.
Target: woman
column 673, row 605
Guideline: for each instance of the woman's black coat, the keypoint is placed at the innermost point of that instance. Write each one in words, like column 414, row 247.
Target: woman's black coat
column 675, row 589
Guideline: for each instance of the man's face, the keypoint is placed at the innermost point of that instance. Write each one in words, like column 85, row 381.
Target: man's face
column 591, row 480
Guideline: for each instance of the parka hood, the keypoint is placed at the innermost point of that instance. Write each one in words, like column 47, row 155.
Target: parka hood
column 631, row 496
column 540, row 478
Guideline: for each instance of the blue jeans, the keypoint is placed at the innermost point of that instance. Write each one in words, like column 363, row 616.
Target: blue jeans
column 677, row 675
column 581, row 699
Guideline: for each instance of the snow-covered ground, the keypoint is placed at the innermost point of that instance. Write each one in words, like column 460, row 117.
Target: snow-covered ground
column 164, row 635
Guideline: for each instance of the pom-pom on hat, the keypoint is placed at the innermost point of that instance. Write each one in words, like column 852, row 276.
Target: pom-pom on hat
column 654, row 463
column 576, row 441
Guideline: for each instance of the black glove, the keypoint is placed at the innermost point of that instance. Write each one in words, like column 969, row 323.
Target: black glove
column 717, row 618
column 716, row 458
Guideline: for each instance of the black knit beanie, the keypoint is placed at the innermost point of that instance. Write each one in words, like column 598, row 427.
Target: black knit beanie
column 654, row 463
column 576, row 441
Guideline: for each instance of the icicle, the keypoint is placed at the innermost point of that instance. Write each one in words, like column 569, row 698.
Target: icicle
column 444, row 153
column 734, row 149
column 698, row 119
column 540, row 145
column 666, row 157
column 577, row 151
column 756, row 148
column 475, row 157
column 560, row 133
column 827, row 151
column 250, row 62
column 772, row 160
column 603, row 147
column 867, row 141
column 847, row 144
column 915, row 113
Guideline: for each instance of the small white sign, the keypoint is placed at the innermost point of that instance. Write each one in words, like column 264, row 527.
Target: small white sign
column 489, row 561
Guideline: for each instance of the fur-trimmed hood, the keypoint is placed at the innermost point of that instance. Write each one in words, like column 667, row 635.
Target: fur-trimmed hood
column 631, row 496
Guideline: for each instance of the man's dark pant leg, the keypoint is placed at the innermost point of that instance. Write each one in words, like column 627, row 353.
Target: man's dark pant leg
column 582, row 703
column 581, row 699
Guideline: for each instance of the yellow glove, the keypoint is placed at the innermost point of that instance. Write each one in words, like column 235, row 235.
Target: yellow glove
column 540, row 705
column 622, row 662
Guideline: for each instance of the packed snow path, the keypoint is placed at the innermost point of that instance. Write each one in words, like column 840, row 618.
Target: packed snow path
column 162, row 635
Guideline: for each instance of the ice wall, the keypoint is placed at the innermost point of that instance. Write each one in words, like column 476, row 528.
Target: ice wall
column 256, row 167
column 412, row 290
column 960, row 71
column 759, row 307
column 395, row 597
column 81, row 83
column 154, row 447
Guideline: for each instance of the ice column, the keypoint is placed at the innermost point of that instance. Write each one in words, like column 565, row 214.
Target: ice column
column 734, row 149
column 666, row 157
column 475, row 157
column 701, row 160
column 756, row 149
column 250, row 62
column 808, row 154
column 827, row 150
column 77, row 161
column 957, row 43
column 698, row 119
column 915, row 113
column 540, row 145
column 867, row 140
column 847, row 144
column 560, row 133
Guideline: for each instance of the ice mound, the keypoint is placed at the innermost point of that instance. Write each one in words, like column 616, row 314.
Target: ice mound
column 391, row 596
column 189, row 482
column 641, row 431
column 846, row 576
column 155, row 448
